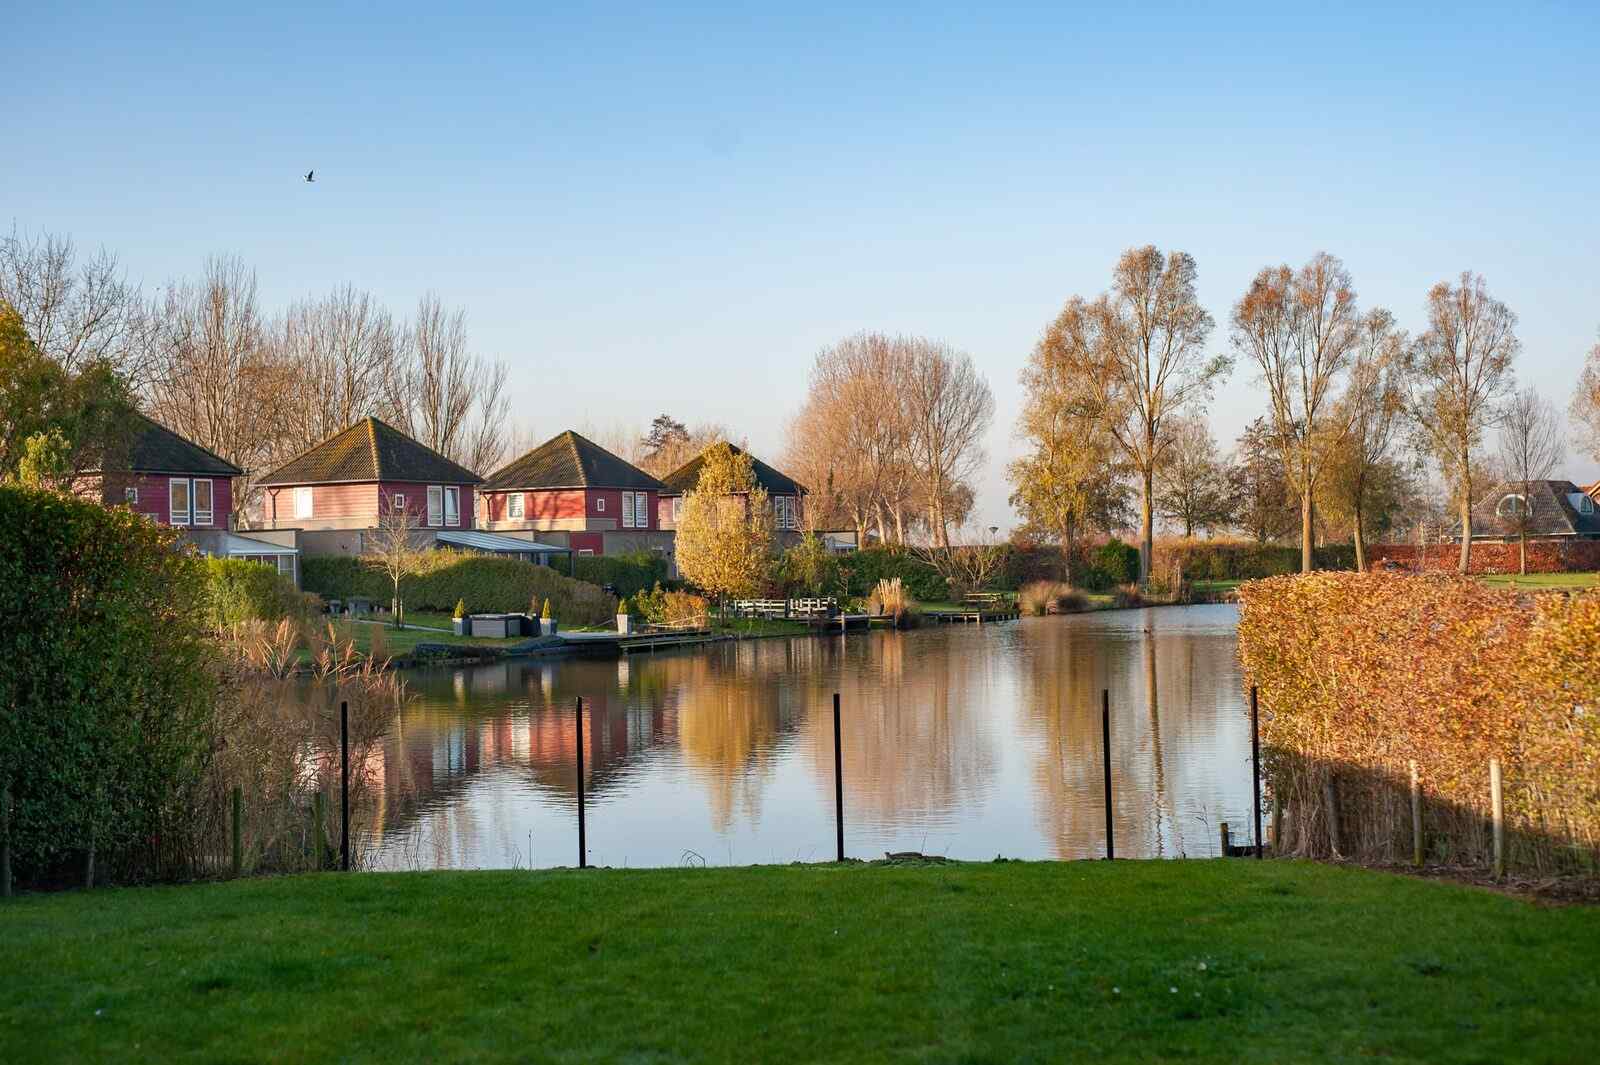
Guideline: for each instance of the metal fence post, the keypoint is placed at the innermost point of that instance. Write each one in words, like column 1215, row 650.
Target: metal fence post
column 344, row 786
column 838, row 780
column 238, row 830
column 583, row 846
column 1105, row 748
column 1255, row 763
column 1497, row 802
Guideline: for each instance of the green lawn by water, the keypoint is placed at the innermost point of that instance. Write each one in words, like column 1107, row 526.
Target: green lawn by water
column 1134, row 961
column 1542, row 581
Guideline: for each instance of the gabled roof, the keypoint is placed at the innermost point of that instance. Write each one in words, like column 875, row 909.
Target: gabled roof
column 569, row 461
column 153, row 448
column 370, row 450
column 685, row 477
column 1552, row 512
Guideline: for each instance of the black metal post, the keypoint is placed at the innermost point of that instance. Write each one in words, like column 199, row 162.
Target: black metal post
column 1255, row 764
column 583, row 846
column 1105, row 745
column 838, row 779
column 344, row 786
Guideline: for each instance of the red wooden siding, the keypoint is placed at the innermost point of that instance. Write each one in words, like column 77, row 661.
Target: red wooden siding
column 155, row 498
column 567, row 508
column 356, row 506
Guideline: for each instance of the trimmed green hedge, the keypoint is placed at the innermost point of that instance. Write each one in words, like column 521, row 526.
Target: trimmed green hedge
column 864, row 569
column 1204, row 561
column 630, row 574
column 486, row 583
column 106, row 686
column 239, row 590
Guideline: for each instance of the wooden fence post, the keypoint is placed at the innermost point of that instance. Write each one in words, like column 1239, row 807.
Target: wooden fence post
column 1105, row 749
column 5, row 843
column 1497, row 800
column 583, row 843
column 1222, row 831
column 838, row 780
column 1255, row 762
column 319, row 829
column 344, row 782
column 238, row 830
column 1330, row 803
column 1416, row 814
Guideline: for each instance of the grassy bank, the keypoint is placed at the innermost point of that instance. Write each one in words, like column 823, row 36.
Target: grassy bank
column 1542, row 582
column 1208, row 961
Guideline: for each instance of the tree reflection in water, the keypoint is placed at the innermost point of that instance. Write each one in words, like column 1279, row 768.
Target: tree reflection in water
column 967, row 741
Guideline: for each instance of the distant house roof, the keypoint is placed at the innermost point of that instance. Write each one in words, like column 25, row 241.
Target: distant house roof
column 1556, row 508
column 685, row 477
column 500, row 545
column 569, row 461
column 370, row 450
column 153, row 448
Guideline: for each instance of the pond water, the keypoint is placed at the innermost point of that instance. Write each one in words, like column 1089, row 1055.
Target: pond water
column 963, row 741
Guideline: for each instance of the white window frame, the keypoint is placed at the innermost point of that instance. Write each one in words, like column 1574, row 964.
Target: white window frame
column 1586, row 505
column 435, row 506
column 207, row 516
column 452, row 506
column 600, row 504
column 677, row 509
column 304, row 502
column 1518, row 509
column 585, row 552
column 174, row 515
column 397, row 503
column 130, row 495
column 627, row 510
column 516, row 506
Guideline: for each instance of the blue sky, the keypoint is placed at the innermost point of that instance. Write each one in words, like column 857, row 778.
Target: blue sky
column 674, row 210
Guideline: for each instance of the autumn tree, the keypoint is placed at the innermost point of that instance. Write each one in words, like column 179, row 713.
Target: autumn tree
column 1585, row 407
column 949, row 408
column 1259, row 485
column 1192, row 484
column 1140, row 350
column 725, row 530
column 670, row 443
column 79, row 310
column 1461, row 372
column 1531, row 446
column 445, row 395
column 1071, row 479
column 392, row 550
column 1362, row 468
column 1301, row 329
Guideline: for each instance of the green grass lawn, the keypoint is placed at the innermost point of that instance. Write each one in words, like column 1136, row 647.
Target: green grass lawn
column 1542, row 581
column 1089, row 961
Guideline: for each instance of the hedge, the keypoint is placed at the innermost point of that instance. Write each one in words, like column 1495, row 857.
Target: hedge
column 488, row 584
column 1361, row 675
column 1203, row 560
column 864, row 569
column 629, row 574
column 106, row 688
column 238, row 590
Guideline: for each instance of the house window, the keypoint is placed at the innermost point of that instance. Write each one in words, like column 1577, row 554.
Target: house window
column 397, row 504
column 600, row 505
column 514, row 505
column 435, row 505
column 302, row 502
column 452, row 506
column 677, row 508
column 130, row 495
column 1512, row 506
column 633, row 511
column 585, row 552
column 783, row 508
column 202, row 502
column 1586, row 505
column 178, row 501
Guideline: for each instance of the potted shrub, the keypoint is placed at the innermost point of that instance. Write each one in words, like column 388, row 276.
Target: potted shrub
column 462, row 623
column 547, row 624
column 624, row 622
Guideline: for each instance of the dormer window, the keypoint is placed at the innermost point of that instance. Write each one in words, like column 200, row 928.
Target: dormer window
column 1512, row 506
column 1586, row 505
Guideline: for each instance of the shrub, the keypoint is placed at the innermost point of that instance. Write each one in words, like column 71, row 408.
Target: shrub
column 461, row 609
column 864, row 569
column 1236, row 560
column 237, row 590
column 1362, row 674
column 492, row 584
column 106, row 681
column 807, row 569
column 1128, row 597
column 670, row 607
column 1050, row 597
column 1115, row 562
column 628, row 574
column 890, row 598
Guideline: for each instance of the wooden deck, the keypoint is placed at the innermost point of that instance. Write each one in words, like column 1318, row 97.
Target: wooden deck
column 972, row 615
column 615, row 643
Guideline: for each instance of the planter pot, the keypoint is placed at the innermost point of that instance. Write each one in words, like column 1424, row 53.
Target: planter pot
column 547, row 626
column 462, row 626
column 624, row 623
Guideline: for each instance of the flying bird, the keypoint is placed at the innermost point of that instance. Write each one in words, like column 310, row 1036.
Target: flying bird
column 311, row 175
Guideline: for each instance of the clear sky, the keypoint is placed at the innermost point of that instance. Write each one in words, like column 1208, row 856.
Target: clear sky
column 673, row 210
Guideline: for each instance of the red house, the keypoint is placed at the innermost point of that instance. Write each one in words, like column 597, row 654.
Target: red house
column 786, row 494
column 572, row 491
column 168, row 479
column 337, row 491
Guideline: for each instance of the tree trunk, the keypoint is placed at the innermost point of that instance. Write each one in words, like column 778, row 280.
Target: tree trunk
column 1361, row 546
column 1466, row 532
column 1147, row 532
column 899, row 523
column 1306, row 524
column 1522, row 552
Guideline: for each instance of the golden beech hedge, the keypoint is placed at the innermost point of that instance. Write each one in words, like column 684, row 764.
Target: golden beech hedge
column 1362, row 674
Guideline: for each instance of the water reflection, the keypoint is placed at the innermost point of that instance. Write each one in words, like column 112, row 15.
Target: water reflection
column 966, row 741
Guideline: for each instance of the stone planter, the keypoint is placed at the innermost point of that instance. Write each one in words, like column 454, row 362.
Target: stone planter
column 547, row 626
column 462, row 626
column 624, row 623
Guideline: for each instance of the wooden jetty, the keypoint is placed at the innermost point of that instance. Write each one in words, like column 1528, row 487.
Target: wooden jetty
column 615, row 644
column 973, row 615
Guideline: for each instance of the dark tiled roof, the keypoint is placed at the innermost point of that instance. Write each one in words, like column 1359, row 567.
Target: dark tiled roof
column 569, row 461
column 685, row 477
column 153, row 448
column 370, row 450
column 1552, row 512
